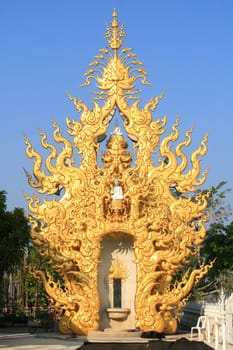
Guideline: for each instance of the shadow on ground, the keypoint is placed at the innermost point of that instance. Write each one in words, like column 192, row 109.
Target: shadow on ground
column 180, row 344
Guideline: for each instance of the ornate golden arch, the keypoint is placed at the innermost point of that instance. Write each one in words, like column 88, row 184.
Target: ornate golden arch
column 121, row 196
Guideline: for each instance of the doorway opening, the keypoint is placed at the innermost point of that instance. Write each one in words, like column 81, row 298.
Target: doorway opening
column 117, row 279
column 117, row 292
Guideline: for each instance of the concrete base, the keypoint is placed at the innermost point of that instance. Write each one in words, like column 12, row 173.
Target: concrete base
column 115, row 335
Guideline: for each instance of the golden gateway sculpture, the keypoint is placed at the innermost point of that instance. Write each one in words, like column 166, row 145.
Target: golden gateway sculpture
column 166, row 229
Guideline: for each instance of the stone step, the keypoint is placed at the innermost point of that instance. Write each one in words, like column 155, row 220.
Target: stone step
column 114, row 334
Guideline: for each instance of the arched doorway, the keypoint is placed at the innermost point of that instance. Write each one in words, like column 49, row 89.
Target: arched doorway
column 117, row 282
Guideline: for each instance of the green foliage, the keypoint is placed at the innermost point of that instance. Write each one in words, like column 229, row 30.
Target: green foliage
column 14, row 236
column 218, row 210
column 33, row 288
column 217, row 246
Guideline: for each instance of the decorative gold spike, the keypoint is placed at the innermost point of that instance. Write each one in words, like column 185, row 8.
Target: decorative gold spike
column 115, row 33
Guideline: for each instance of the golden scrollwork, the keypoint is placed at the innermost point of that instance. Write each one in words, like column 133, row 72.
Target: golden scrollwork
column 117, row 270
column 85, row 202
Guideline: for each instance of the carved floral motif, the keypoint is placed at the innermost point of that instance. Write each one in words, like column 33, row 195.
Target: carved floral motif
column 117, row 270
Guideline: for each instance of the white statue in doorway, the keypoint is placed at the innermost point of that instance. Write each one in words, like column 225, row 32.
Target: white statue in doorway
column 117, row 191
column 117, row 129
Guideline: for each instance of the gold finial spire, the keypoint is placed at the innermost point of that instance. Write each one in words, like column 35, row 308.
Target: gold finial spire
column 114, row 21
column 115, row 33
column 117, row 72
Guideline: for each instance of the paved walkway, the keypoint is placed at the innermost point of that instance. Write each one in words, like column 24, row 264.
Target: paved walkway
column 21, row 339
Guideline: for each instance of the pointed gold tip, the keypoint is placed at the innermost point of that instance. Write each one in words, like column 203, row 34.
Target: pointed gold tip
column 115, row 33
column 114, row 21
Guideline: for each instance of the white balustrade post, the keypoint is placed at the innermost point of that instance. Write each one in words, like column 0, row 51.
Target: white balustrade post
column 221, row 303
column 216, row 331
column 208, row 330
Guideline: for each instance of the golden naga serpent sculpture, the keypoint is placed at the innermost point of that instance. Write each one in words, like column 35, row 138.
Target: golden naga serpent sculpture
column 166, row 229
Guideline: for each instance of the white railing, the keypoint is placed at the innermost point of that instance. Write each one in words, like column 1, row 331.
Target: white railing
column 217, row 325
column 219, row 332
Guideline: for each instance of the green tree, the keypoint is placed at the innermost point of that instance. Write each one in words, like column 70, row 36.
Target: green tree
column 14, row 238
column 217, row 246
column 218, row 210
column 34, row 290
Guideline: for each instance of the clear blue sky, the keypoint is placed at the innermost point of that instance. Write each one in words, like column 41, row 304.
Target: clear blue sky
column 46, row 46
